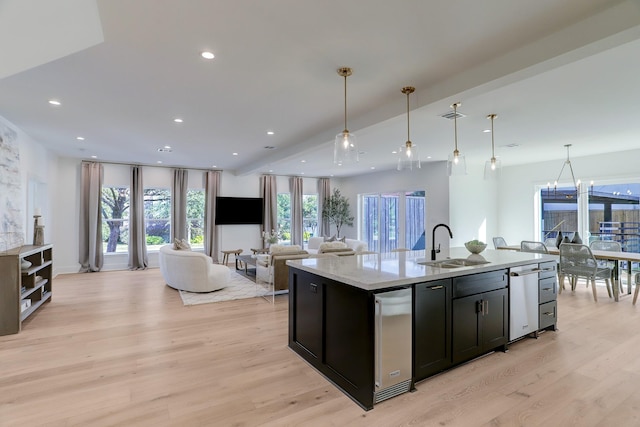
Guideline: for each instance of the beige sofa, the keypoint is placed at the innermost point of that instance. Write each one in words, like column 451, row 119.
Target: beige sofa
column 272, row 267
column 191, row 271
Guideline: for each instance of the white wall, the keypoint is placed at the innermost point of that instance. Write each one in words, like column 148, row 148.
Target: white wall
column 473, row 207
column 432, row 178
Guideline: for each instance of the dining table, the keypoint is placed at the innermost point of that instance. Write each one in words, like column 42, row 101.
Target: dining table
column 616, row 257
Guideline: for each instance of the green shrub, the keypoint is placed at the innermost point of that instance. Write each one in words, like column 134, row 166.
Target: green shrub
column 197, row 239
column 154, row 240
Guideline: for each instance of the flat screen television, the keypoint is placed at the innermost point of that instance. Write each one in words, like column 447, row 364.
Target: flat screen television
column 238, row 210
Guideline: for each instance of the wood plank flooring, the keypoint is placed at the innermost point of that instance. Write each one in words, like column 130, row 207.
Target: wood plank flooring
column 120, row 349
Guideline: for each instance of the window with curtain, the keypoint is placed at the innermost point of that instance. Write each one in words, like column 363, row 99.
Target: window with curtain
column 309, row 216
column 115, row 215
column 284, row 218
column 157, row 213
column 393, row 220
column 195, row 218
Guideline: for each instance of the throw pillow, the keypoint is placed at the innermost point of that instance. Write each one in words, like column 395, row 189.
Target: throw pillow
column 181, row 245
column 279, row 249
column 331, row 245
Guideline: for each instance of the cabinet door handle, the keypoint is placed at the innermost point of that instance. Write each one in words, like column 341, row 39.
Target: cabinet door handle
column 546, row 289
column 485, row 307
column 548, row 313
column 437, row 287
column 479, row 307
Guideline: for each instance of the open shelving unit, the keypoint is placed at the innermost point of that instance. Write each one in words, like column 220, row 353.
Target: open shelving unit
column 24, row 290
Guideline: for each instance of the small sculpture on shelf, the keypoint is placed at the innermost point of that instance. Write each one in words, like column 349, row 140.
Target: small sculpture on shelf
column 38, row 228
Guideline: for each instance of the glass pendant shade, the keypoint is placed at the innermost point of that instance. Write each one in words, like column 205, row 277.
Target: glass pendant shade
column 345, row 149
column 408, row 158
column 492, row 169
column 456, row 164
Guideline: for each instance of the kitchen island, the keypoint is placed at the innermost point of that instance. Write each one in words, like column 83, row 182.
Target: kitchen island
column 375, row 324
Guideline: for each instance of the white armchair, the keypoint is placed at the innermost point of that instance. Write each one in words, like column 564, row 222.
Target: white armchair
column 191, row 271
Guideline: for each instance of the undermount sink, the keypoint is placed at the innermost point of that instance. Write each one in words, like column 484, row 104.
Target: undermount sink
column 454, row 263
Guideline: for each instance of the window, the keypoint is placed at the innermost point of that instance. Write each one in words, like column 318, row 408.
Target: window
column 284, row 217
column 393, row 220
column 195, row 218
column 559, row 210
column 309, row 216
column 115, row 219
column 157, row 214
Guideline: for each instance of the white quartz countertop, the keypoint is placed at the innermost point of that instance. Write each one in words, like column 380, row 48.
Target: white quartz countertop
column 388, row 270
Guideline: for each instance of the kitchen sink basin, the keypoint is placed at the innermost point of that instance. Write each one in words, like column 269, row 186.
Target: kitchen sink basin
column 454, row 263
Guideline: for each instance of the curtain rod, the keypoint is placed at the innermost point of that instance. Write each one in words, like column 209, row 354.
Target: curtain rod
column 151, row 166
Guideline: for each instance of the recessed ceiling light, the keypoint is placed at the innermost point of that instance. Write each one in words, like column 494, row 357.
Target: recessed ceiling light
column 235, row 154
column 165, row 149
column 159, row 161
column 178, row 120
column 303, row 161
column 270, row 170
column 301, row 173
column 54, row 102
column 207, row 55
column 94, row 157
column 214, row 166
column 80, row 138
column 270, row 132
column 394, row 152
column 428, row 157
column 487, row 131
column 373, row 167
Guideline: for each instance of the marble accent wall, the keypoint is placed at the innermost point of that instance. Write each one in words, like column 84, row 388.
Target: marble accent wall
column 11, row 218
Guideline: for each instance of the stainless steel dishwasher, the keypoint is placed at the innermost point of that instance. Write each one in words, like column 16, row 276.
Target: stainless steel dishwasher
column 523, row 300
column 393, row 312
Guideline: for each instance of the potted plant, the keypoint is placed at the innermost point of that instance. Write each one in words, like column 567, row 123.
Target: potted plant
column 336, row 209
column 269, row 238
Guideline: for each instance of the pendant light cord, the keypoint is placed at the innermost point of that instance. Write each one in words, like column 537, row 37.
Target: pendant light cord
column 408, row 139
column 345, row 103
column 455, row 125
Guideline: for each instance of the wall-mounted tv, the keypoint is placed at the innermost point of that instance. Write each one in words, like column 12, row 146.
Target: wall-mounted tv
column 238, row 210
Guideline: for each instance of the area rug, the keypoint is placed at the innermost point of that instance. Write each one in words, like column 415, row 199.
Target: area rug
column 239, row 287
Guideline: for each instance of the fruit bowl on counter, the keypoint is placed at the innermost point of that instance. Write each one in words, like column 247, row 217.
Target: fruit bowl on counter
column 475, row 246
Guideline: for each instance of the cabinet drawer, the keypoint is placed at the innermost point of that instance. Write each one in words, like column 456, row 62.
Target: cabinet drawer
column 548, row 314
column 478, row 283
column 548, row 269
column 548, row 289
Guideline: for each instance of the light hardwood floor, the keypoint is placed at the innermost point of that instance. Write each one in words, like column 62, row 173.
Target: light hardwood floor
column 119, row 348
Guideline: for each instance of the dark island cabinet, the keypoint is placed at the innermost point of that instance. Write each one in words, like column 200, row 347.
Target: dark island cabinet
column 432, row 328
column 331, row 326
column 480, row 314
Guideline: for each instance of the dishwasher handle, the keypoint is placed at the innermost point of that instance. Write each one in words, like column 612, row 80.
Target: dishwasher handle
column 525, row 272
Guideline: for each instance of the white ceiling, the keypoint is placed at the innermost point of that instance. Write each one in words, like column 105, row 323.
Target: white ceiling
column 555, row 71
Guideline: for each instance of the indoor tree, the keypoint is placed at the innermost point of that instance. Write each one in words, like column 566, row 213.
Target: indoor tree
column 336, row 209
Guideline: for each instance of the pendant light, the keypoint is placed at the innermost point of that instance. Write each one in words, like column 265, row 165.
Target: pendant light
column 576, row 184
column 493, row 166
column 345, row 149
column 408, row 154
column 456, row 165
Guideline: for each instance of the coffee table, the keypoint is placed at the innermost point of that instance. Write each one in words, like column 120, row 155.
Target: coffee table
column 247, row 260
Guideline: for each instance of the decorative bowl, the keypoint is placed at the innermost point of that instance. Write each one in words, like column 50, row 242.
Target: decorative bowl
column 475, row 246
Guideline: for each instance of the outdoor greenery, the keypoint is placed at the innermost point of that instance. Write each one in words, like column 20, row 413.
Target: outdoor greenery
column 157, row 211
column 337, row 210
column 309, row 216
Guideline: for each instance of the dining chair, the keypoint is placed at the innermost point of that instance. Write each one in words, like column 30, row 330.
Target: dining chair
column 578, row 261
column 499, row 242
column 550, row 242
column 609, row 246
column 532, row 246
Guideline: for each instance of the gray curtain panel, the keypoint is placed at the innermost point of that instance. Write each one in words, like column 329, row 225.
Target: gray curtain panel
column 179, row 204
column 324, row 191
column 91, row 257
column 269, row 195
column 297, row 225
column 138, row 259
column 211, row 191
